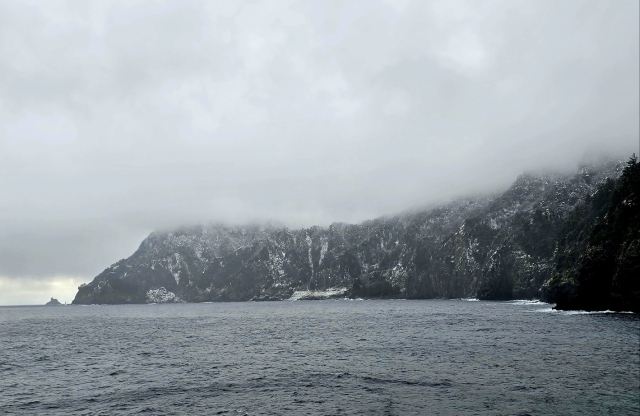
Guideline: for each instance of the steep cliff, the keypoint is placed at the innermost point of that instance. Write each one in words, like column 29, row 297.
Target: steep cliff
column 499, row 247
column 602, row 271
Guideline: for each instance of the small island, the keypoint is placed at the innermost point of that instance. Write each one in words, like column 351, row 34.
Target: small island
column 53, row 302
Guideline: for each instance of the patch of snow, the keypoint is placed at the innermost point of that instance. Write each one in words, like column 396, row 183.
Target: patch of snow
column 323, row 249
column 161, row 295
column 310, row 259
column 174, row 268
column 319, row 294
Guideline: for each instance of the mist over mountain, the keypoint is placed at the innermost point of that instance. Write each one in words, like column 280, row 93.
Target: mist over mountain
column 499, row 247
column 319, row 207
column 121, row 118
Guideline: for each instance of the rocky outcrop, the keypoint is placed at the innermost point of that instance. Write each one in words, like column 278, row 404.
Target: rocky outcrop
column 499, row 247
column 53, row 302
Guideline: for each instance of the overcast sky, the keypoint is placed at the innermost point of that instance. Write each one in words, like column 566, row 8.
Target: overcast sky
column 118, row 118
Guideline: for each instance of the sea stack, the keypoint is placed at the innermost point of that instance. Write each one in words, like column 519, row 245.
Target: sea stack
column 53, row 302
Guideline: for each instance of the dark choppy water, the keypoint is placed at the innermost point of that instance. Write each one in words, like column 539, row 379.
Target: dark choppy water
column 318, row 358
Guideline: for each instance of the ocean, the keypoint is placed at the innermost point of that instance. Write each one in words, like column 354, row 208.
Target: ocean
column 332, row 357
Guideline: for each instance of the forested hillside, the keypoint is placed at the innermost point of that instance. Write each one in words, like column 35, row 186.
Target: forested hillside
column 598, row 264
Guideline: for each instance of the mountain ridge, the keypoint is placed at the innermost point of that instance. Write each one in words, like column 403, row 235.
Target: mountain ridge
column 494, row 247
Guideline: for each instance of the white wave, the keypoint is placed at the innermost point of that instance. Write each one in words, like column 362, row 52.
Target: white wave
column 579, row 312
column 527, row 302
column 608, row 311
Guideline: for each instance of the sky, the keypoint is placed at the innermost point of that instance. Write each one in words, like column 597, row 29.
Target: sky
column 119, row 118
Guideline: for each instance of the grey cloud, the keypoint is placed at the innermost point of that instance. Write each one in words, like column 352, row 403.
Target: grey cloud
column 117, row 118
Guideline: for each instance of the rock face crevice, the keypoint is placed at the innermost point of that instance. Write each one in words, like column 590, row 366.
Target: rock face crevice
column 500, row 247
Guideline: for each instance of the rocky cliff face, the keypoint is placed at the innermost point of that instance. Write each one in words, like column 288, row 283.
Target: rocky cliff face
column 598, row 266
column 500, row 247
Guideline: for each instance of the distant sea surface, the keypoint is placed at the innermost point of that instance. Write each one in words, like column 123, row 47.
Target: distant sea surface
column 334, row 357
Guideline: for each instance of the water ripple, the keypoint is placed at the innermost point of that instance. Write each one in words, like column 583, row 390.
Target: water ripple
column 317, row 358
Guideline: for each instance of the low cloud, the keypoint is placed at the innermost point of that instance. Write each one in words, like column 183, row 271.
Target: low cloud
column 118, row 118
